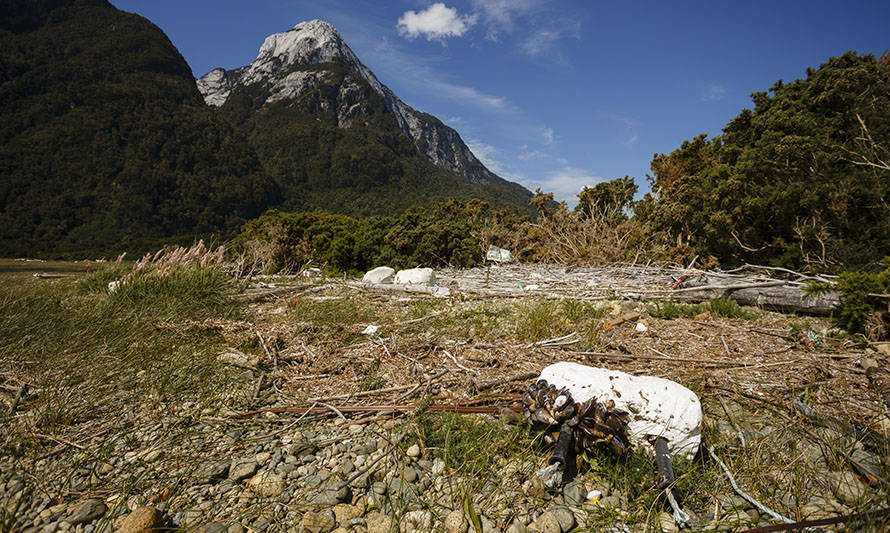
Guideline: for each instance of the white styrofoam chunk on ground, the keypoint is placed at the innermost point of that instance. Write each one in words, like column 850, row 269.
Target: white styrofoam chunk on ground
column 416, row 276
column 382, row 274
column 655, row 406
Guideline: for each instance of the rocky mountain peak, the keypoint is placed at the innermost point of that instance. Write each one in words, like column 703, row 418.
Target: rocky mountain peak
column 282, row 67
column 314, row 41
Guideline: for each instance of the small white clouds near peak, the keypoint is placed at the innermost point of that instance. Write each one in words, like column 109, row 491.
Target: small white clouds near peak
column 485, row 153
column 526, row 154
column 713, row 92
column 545, row 40
column 501, row 15
column 470, row 95
column 436, row 23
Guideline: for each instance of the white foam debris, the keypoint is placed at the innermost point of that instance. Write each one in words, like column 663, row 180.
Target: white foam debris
column 415, row 276
column 655, row 406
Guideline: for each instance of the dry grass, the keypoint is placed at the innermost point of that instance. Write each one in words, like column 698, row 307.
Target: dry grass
column 605, row 236
column 147, row 358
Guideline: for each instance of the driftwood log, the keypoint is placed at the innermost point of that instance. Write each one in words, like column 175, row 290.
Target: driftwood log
column 774, row 295
column 748, row 285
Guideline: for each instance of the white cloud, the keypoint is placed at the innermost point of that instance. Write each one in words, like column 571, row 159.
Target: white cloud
column 501, row 15
column 468, row 95
column 567, row 182
column 542, row 24
column 541, row 41
column 485, row 153
column 713, row 92
column 435, row 23
column 548, row 134
column 526, row 154
column 630, row 142
column 390, row 62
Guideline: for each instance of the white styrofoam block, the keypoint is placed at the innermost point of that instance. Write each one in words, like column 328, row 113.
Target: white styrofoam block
column 654, row 406
column 383, row 274
column 416, row 276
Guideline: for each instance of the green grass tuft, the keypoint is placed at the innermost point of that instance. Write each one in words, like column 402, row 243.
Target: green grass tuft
column 718, row 307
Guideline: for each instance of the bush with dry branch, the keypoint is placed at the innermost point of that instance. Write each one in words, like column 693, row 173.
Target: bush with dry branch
column 600, row 235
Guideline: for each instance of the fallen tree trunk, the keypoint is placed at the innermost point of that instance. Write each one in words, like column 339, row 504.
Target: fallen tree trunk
column 774, row 295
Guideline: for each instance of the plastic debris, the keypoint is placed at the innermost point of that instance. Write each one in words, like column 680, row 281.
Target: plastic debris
column 656, row 406
column 416, row 276
column 499, row 255
column 382, row 274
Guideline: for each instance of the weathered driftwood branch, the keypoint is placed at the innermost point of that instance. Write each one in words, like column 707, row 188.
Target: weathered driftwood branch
column 631, row 282
column 774, row 295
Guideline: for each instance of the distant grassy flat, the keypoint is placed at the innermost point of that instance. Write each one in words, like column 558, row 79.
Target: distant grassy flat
column 17, row 268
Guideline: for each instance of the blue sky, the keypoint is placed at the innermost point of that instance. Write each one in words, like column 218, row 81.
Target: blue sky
column 553, row 94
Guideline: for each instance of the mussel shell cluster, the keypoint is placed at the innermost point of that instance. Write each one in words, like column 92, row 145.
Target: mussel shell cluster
column 546, row 408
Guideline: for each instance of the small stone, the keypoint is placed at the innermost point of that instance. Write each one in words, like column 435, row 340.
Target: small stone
column 846, row 486
column 565, row 517
column 332, row 497
column 105, row 468
column 438, row 466
column 87, row 512
column 456, row 523
column 212, row 471
column 574, row 493
column 268, row 484
column 667, row 523
column 152, row 455
column 517, row 527
column 416, row 521
column 213, row 527
column 262, row 458
column 379, row 487
column 242, row 469
column 409, row 474
column 547, row 523
column 346, row 513
column 142, row 520
column 413, row 451
column 487, row 525
column 733, row 501
column 608, row 501
column 348, row 467
column 319, row 522
column 378, row 522
column 356, row 428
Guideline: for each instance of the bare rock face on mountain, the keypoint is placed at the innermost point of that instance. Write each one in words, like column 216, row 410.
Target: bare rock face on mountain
column 296, row 63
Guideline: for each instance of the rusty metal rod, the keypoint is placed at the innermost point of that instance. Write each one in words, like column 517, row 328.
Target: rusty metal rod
column 820, row 522
column 467, row 409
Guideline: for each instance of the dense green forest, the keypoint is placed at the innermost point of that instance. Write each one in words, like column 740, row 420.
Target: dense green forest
column 106, row 144
column 105, row 139
column 788, row 183
column 368, row 167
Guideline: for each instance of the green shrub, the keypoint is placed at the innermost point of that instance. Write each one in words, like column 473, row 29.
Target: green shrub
column 728, row 308
column 864, row 304
column 449, row 234
column 787, row 183
column 717, row 307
